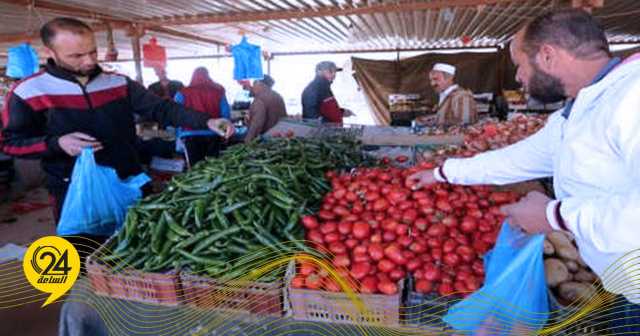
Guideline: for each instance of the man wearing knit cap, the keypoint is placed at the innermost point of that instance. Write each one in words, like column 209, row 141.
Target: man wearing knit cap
column 455, row 105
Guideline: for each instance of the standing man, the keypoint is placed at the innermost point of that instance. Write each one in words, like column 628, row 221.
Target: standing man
column 73, row 104
column 591, row 148
column 318, row 101
column 266, row 109
column 164, row 87
column 456, row 105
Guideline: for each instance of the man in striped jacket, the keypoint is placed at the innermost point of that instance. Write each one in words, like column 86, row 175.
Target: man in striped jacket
column 456, row 105
column 73, row 104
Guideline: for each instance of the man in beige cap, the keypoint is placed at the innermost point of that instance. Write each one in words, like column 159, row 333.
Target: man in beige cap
column 455, row 105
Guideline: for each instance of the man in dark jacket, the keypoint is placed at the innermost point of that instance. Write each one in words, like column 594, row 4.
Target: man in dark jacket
column 73, row 104
column 164, row 87
column 318, row 101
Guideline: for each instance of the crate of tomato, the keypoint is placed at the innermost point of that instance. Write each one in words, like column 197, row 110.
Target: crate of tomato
column 375, row 225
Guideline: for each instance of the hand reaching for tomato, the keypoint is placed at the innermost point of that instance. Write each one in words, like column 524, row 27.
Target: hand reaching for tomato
column 530, row 213
column 421, row 179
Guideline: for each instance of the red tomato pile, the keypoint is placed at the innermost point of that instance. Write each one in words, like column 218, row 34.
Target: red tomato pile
column 377, row 230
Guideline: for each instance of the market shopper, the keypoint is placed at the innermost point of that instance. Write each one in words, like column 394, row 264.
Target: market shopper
column 164, row 87
column 456, row 105
column 591, row 148
column 206, row 96
column 318, row 101
column 266, row 109
column 73, row 104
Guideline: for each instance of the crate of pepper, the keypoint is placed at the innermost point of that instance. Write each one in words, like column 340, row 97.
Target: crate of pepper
column 208, row 219
column 113, row 274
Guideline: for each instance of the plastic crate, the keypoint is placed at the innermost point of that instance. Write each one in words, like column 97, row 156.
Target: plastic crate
column 426, row 310
column 131, row 284
column 331, row 307
column 259, row 298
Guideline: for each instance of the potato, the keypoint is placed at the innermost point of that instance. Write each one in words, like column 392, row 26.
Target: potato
column 584, row 275
column 555, row 272
column 568, row 253
column 548, row 248
column 572, row 291
column 558, row 239
column 572, row 266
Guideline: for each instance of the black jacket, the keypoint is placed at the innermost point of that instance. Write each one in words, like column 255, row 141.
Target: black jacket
column 52, row 103
column 172, row 88
column 313, row 95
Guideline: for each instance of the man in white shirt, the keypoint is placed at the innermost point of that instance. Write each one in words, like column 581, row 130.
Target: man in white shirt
column 591, row 148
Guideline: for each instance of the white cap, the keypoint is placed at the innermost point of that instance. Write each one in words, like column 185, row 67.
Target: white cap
column 444, row 67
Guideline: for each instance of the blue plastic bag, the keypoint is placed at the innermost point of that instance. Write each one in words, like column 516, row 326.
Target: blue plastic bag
column 97, row 200
column 22, row 61
column 514, row 298
column 247, row 60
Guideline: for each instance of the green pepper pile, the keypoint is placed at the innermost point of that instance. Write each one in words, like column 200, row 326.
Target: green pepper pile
column 243, row 203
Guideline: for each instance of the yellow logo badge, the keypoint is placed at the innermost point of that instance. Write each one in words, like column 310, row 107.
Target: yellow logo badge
column 51, row 264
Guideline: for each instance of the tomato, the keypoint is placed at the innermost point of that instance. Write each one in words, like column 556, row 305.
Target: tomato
column 337, row 248
column 436, row 253
column 402, row 229
column 451, row 259
column 351, row 243
column 298, row 282
column 396, row 274
column 331, row 285
column 359, row 258
column 380, row 204
column 332, row 237
column 371, row 196
column 360, row 270
column 357, row 208
column 484, row 227
column 427, row 210
column 436, row 230
column 385, row 177
column 404, row 241
column 361, row 230
column 472, row 284
column 450, row 221
column 360, row 249
column 462, row 240
column 449, row 246
column 478, row 267
column 402, row 158
column 385, row 160
column 397, row 196
column 413, row 264
column 389, row 225
column 310, row 222
column 468, row 225
column 402, row 206
column 432, row 272
column 466, row 253
column 480, row 246
column 306, row 268
column 434, row 242
column 330, row 174
column 501, row 197
column 339, row 193
column 443, row 205
column 315, row 236
column 409, row 216
column 421, row 224
column 418, row 274
column 417, row 247
column 394, row 253
column 376, row 237
column 313, row 281
column 475, row 213
column 460, row 287
column 445, row 289
column 345, row 227
column 376, row 251
column 341, row 211
column 388, row 236
column 341, row 260
column 328, row 227
column 489, row 238
column 387, row 287
column 386, row 265
column 369, row 285
column 424, row 286
column 326, row 215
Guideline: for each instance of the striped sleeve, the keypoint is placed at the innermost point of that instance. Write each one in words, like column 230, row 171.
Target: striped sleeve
column 24, row 131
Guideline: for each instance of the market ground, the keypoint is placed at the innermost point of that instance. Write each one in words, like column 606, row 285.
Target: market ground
column 22, row 229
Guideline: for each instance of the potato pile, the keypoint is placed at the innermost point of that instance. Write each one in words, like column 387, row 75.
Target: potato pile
column 567, row 275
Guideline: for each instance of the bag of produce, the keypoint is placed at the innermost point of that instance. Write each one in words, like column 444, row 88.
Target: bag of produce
column 97, row 199
column 514, row 298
